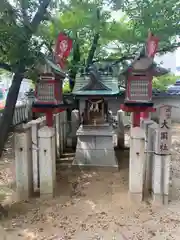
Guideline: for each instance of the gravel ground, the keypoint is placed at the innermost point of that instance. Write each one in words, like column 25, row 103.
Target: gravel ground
column 90, row 205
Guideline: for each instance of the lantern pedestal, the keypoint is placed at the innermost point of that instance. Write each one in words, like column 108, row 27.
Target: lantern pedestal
column 145, row 115
column 136, row 109
column 49, row 110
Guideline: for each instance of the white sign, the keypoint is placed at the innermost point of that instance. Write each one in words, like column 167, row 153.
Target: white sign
column 163, row 141
column 163, row 133
column 165, row 116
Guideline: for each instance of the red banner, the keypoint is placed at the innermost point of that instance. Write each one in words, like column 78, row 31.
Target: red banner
column 62, row 49
column 152, row 45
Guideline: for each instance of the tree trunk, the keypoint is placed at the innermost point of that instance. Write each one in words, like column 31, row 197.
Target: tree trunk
column 92, row 50
column 8, row 112
column 75, row 61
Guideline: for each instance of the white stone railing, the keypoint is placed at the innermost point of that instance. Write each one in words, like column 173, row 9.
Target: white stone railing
column 21, row 114
column 37, row 147
column 149, row 170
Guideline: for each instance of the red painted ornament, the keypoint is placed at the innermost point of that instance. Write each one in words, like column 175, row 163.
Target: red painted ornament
column 62, row 49
column 152, row 45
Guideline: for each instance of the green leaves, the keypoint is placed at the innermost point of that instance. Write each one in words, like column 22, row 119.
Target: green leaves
column 162, row 82
column 161, row 16
column 18, row 23
column 82, row 20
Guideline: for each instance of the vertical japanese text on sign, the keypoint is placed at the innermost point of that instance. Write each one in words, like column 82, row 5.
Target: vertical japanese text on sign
column 164, row 139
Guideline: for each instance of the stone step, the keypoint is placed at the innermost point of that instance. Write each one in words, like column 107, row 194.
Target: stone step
column 69, row 150
column 64, row 161
column 66, row 158
column 67, row 155
column 63, row 165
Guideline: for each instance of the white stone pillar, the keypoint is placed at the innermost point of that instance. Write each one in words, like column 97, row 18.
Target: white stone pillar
column 162, row 156
column 145, row 125
column 30, row 100
column 120, row 130
column 136, row 163
column 131, row 122
column 65, row 128
column 35, row 124
column 161, row 172
column 75, row 121
column 56, row 140
column 150, row 138
column 61, row 132
column 23, row 162
column 57, row 133
column 47, row 161
column 161, row 175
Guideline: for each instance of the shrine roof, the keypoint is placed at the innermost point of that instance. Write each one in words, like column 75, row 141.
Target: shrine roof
column 106, row 85
column 49, row 66
column 143, row 62
column 55, row 68
column 156, row 70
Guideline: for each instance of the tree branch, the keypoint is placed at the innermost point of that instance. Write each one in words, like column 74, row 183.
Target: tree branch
column 92, row 49
column 169, row 48
column 24, row 12
column 39, row 15
column 133, row 55
column 94, row 43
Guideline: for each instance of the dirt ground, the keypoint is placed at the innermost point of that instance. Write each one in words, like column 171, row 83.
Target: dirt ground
column 88, row 206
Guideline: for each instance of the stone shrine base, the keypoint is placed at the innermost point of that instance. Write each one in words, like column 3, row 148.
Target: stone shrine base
column 95, row 146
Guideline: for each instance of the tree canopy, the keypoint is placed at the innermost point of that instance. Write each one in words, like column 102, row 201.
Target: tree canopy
column 28, row 30
column 86, row 22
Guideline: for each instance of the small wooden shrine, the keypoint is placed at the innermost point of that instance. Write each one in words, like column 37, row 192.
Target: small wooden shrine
column 95, row 134
column 94, row 92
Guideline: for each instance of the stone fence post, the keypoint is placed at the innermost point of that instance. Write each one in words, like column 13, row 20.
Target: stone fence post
column 30, row 100
column 149, row 128
column 23, row 162
column 120, row 129
column 136, row 163
column 64, row 116
column 47, row 161
column 75, row 122
column 162, row 157
column 35, row 125
column 58, row 133
column 61, row 132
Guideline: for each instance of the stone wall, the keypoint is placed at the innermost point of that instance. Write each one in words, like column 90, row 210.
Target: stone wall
column 175, row 164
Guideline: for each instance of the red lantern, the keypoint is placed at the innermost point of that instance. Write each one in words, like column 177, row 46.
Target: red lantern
column 138, row 94
column 139, row 87
column 49, row 95
column 49, row 90
column 138, row 97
